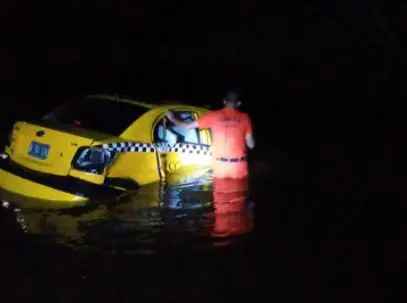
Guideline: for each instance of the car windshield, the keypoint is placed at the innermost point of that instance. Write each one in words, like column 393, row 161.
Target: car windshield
column 105, row 116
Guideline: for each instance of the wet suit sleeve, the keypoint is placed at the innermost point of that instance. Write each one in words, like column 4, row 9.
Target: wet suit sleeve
column 207, row 120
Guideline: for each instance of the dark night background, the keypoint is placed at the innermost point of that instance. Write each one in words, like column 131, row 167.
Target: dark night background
column 300, row 66
column 322, row 76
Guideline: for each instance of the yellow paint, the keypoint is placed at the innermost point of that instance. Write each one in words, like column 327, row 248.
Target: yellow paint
column 25, row 202
column 177, row 161
column 141, row 167
column 89, row 177
column 15, row 184
column 62, row 148
column 64, row 141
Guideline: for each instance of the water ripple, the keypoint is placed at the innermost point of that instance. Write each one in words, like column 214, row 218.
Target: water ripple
column 196, row 213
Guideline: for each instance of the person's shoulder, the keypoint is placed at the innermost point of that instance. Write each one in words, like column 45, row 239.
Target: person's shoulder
column 211, row 114
column 246, row 118
column 244, row 114
column 214, row 112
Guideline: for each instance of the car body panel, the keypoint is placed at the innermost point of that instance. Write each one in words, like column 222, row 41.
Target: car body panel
column 11, row 183
column 44, row 177
column 141, row 167
column 62, row 147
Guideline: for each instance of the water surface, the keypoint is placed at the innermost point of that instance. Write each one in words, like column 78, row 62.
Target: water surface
column 319, row 223
column 153, row 218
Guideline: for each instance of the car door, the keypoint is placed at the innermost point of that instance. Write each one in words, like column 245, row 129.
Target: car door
column 183, row 150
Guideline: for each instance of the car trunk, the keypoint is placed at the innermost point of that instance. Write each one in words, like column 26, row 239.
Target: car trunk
column 47, row 147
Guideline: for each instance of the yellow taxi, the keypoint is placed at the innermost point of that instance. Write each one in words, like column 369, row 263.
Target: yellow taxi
column 99, row 146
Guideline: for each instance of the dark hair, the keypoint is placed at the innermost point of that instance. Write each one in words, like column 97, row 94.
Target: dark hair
column 232, row 96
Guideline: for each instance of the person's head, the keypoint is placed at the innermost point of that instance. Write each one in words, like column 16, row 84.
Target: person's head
column 232, row 99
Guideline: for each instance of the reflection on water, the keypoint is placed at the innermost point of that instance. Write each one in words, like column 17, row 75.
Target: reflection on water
column 200, row 213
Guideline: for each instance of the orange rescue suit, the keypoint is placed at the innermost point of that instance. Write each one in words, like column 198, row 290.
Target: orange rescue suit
column 232, row 216
column 229, row 128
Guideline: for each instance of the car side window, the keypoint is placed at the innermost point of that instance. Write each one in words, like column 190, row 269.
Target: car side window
column 173, row 134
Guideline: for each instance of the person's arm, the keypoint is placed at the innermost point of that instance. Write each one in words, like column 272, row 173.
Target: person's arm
column 183, row 125
column 249, row 141
column 206, row 121
column 249, row 134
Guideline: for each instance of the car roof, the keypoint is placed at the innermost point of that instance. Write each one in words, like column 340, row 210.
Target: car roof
column 163, row 103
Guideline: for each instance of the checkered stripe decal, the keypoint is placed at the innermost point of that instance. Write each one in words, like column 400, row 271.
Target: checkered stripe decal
column 124, row 147
column 191, row 149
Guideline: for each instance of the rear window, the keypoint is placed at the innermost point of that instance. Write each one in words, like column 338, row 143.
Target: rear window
column 99, row 115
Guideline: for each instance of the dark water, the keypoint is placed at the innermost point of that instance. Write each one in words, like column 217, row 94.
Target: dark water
column 319, row 223
column 190, row 214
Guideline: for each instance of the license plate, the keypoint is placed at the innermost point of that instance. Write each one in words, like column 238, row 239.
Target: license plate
column 38, row 150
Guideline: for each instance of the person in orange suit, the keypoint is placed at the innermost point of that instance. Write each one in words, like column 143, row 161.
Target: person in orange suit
column 232, row 134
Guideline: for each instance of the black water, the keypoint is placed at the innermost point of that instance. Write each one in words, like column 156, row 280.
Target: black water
column 327, row 225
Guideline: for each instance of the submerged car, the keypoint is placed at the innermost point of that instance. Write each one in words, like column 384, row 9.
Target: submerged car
column 99, row 146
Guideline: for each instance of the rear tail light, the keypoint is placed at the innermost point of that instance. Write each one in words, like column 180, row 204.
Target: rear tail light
column 93, row 160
